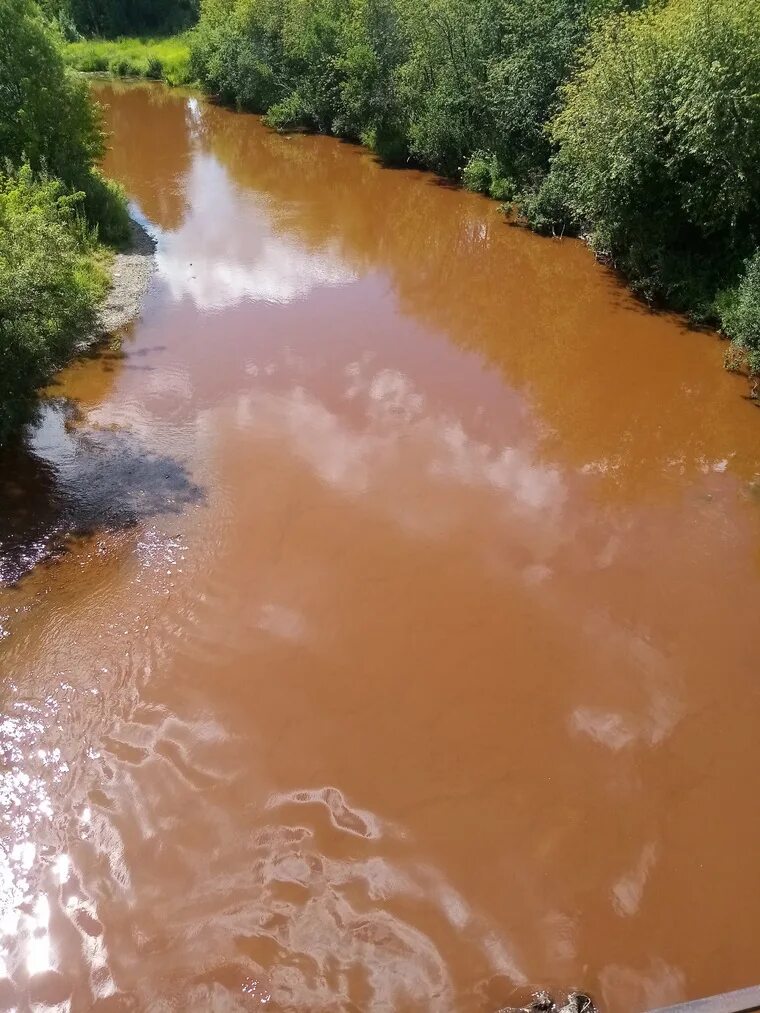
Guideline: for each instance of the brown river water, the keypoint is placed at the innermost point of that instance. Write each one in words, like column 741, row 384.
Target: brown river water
column 401, row 647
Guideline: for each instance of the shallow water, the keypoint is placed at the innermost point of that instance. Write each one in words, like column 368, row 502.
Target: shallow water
column 384, row 634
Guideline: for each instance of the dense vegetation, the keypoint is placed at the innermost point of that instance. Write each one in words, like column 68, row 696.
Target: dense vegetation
column 50, row 282
column 161, row 59
column 54, row 208
column 111, row 18
column 659, row 141
column 456, row 85
column 635, row 124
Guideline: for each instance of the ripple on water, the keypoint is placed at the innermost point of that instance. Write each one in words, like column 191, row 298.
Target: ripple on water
column 219, row 896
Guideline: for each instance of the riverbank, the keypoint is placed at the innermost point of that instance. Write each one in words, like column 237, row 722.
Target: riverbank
column 653, row 158
column 159, row 58
column 533, row 107
column 59, row 293
column 130, row 273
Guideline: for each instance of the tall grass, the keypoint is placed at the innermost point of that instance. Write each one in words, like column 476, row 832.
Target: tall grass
column 162, row 58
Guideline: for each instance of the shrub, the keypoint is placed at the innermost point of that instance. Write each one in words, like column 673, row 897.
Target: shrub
column 659, row 141
column 312, row 39
column 94, row 63
column 47, row 117
column 237, row 52
column 476, row 175
column 291, row 113
column 49, row 286
column 484, row 74
column 154, row 68
column 373, row 46
column 122, row 67
column 52, row 209
column 740, row 313
column 388, row 141
column 437, row 80
column 107, row 206
column 484, row 174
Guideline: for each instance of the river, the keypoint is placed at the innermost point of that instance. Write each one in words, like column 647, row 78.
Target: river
column 381, row 630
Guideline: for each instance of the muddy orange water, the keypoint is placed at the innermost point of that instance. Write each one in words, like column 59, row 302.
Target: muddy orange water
column 401, row 652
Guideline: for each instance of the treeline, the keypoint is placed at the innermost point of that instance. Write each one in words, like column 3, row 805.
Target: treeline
column 56, row 209
column 634, row 124
column 111, row 18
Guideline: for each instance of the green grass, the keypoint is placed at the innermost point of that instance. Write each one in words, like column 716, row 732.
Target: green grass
column 165, row 59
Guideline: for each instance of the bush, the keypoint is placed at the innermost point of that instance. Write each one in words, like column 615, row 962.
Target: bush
column 94, row 63
column 47, row 117
column 740, row 314
column 122, row 67
column 292, row 113
column 107, row 206
column 484, row 74
column 373, row 46
column 53, row 209
column 476, row 175
column 237, row 51
column 484, row 174
column 49, row 286
column 659, row 142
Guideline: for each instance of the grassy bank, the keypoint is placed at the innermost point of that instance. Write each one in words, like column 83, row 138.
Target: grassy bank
column 163, row 58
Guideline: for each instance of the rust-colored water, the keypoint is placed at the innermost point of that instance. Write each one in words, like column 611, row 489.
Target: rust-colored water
column 404, row 653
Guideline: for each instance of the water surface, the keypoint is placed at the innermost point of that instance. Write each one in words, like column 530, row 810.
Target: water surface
column 401, row 647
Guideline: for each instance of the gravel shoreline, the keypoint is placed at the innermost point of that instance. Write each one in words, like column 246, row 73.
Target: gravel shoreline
column 131, row 272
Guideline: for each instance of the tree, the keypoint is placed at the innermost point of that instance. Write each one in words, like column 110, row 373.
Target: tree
column 659, row 141
column 110, row 18
column 46, row 115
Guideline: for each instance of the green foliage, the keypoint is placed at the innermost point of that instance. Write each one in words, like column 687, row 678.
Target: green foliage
column 312, row 36
column 50, row 282
column 237, row 52
column 106, row 205
column 165, row 59
column 112, row 18
column 484, row 75
column 740, row 313
column 436, row 81
column 372, row 110
column 483, row 173
column 54, row 205
column 46, row 116
column 659, row 141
